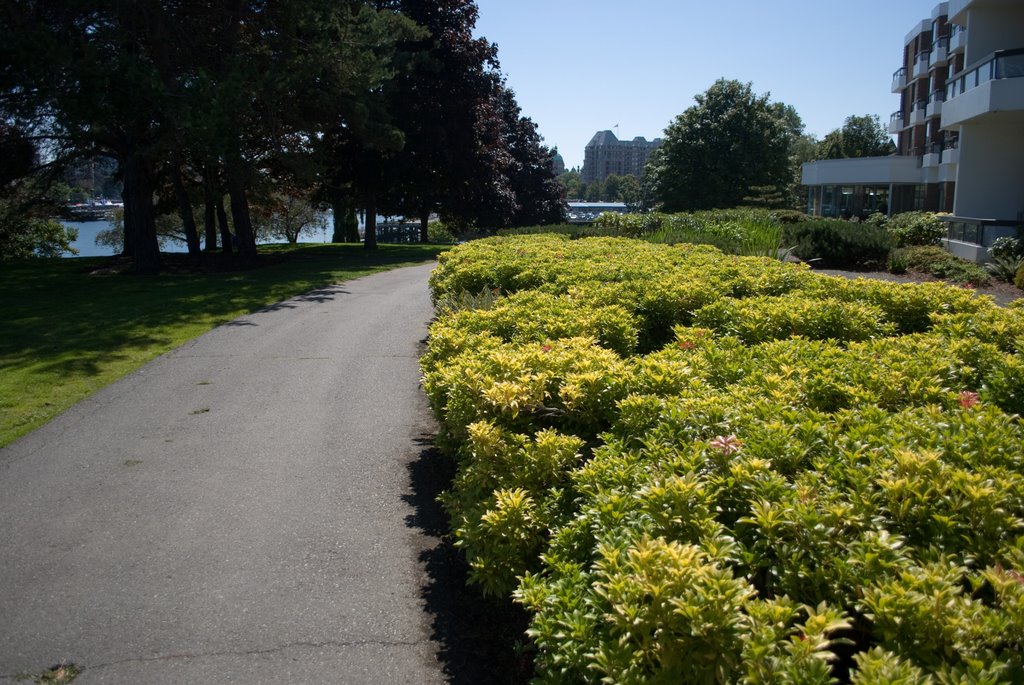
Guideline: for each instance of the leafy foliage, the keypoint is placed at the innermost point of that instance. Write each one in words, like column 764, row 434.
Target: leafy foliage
column 838, row 244
column 1005, row 268
column 860, row 136
column 936, row 261
column 33, row 237
column 1007, row 246
column 695, row 467
column 715, row 153
column 748, row 232
column 916, row 228
column 1007, row 258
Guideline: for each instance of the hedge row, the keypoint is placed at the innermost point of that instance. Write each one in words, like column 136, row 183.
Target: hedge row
column 692, row 467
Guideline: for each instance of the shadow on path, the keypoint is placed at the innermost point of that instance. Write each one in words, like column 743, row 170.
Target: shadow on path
column 481, row 640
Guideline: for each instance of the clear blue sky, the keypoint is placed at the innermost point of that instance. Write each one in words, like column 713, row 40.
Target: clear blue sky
column 580, row 66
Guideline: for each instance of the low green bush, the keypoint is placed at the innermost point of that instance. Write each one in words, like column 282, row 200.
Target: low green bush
column 697, row 467
column 897, row 262
column 934, row 260
column 1007, row 246
column 877, row 219
column 1005, row 267
column 1018, row 280
column 571, row 230
column 788, row 216
column 630, row 225
column 916, row 228
column 439, row 233
column 838, row 244
column 742, row 231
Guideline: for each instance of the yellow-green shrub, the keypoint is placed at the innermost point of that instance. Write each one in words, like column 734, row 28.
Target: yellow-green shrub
column 722, row 469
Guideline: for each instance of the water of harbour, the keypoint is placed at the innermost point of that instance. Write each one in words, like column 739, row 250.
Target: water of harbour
column 88, row 230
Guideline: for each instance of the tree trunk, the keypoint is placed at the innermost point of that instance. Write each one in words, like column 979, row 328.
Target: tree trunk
column 139, row 224
column 222, row 221
column 424, row 221
column 209, row 225
column 188, row 220
column 240, row 211
column 209, row 211
column 370, row 231
column 346, row 225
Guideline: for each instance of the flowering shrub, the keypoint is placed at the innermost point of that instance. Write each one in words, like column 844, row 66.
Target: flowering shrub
column 693, row 467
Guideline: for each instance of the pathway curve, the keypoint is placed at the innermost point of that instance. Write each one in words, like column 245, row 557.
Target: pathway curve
column 233, row 511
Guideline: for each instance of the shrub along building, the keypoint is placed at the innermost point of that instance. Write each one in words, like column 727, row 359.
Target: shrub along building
column 605, row 155
column 960, row 131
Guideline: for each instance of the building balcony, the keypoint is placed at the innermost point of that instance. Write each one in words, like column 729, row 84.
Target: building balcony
column 899, row 80
column 950, row 153
column 957, row 40
column 918, row 113
column 896, row 123
column 994, row 84
column 921, row 64
column 932, row 156
column 935, row 104
column 939, row 54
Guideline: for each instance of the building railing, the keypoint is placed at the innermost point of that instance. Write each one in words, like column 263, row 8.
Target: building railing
column 920, row 104
column 896, row 119
column 941, row 43
column 934, row 149
column 951, row 144
column 899, row 78
column 922, row 57
column 999, row 65
column 957, row 38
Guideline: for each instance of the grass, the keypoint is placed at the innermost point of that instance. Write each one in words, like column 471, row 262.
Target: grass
column 68, row 333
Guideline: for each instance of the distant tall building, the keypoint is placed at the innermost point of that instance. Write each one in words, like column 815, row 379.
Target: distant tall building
column 606, row 155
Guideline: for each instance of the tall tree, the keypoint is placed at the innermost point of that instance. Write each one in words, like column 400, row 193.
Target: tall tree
column 445, row 105
column 531, row 177
column 860, row 136
column 717, row 151
column 79, row 72
column 571, row 184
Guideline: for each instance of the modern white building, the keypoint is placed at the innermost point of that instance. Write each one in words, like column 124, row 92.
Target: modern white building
column 960, row 130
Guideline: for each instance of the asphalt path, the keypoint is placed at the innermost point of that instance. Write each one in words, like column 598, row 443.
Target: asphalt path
column 235, row 511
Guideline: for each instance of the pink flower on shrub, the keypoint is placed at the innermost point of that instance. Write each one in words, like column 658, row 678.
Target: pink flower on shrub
column 726, row 444
column 545, row 348
column 968, row 399
column 687, row 345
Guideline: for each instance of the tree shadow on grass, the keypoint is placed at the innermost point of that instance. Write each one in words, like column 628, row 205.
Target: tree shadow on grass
column 481, row 640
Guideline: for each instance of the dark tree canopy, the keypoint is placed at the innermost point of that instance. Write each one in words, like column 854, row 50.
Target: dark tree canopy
column 388, row 105
column 718, row 151
column 531, row 176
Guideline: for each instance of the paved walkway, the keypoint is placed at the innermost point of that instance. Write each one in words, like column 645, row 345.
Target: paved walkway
column 233, row 511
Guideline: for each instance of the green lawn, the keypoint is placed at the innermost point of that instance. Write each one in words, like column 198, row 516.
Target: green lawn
column 67, row 333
